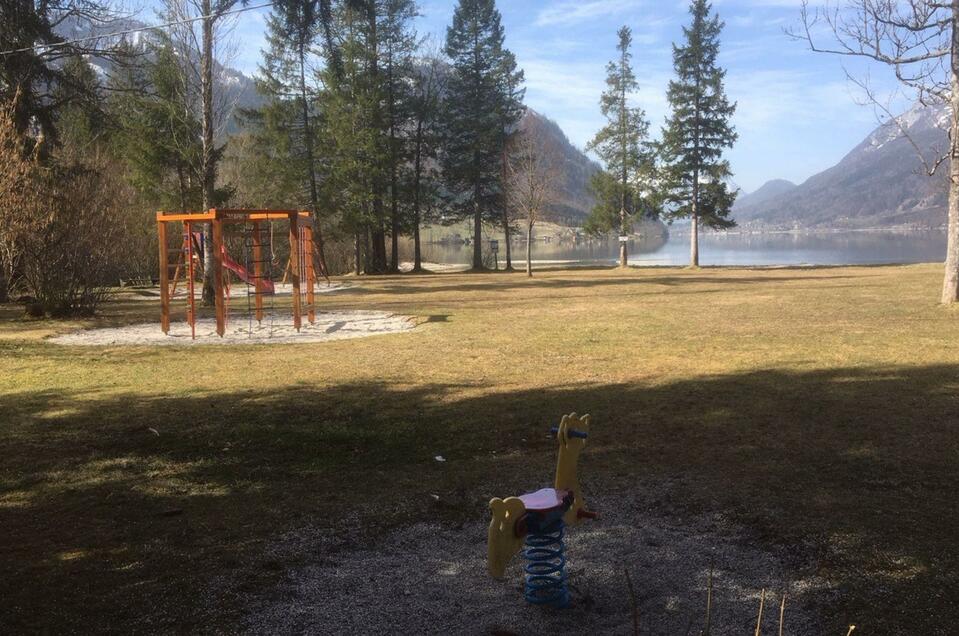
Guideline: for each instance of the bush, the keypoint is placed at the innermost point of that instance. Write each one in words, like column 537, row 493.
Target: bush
column 67, row 225
column 72, row 244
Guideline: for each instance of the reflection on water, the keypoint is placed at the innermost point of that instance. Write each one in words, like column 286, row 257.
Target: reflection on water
column 836, row 248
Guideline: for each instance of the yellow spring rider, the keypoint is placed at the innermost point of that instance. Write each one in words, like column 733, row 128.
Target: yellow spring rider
column 538, row 520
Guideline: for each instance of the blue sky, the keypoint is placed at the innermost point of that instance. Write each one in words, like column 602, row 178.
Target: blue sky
column 797, row 112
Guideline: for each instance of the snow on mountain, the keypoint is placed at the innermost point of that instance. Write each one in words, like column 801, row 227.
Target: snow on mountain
column 879, row 183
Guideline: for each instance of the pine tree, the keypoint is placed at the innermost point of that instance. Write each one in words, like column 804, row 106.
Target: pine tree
column 353, row 131
column 424, row 179
column 289, row 118
column 474, row 120
column 159, row 134
column 623, row 146
column 33, row 75
column 399, row 45
column 512, row 112
column 694, row 173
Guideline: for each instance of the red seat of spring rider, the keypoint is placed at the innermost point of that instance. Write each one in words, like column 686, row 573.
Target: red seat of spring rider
column 544, row 499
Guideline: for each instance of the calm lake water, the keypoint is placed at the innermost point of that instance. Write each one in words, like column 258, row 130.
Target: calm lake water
column 835, row 248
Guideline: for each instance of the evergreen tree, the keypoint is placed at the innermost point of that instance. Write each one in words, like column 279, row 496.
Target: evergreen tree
column 474, row 120
column 399, row 45
column 694, row 174
column 159, row 134
column 43, row 60
column 353, row 131
column 623, row 146
column 425, row 179
column 289, row 119
column 512, row 112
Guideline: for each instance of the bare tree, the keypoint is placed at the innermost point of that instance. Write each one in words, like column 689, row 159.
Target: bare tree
column 533, row 170
column 919, row 41
column 205, row 24
column 15, row 176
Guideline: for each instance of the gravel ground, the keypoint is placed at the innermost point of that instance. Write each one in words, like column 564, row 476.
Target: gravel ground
column 237, row 291
column 428, row 579
column 330, row 325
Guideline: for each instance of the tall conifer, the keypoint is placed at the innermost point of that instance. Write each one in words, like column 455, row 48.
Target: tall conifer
column 474, row 118
column 623, row 146
column 694, row 173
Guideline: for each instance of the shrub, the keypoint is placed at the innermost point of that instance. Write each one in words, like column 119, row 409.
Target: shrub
column 63, row 225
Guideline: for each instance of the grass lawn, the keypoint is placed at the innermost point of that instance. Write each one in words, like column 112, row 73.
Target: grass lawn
column 819, row 408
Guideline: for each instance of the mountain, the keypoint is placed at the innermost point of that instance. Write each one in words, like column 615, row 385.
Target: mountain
column 879, row 183
column 767, row 191
column 573, row 200
column 235, row 90
column 571, row 206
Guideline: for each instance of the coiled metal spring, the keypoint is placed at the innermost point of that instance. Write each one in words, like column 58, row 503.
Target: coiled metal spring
column 546, row 566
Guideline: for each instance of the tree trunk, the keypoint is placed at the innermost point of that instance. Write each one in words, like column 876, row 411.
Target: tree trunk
column 417, row 248
column 208, row 169
column 310, row 162
column 506, row 230
column 358, row 257
column 394, row 182
column 477, row 227
column 529, row 249
column 417, row 179
column 950, row 284
column 623, row 245
column 694, row 225
column 4, row 288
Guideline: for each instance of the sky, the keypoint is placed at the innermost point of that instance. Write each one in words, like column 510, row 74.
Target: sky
column 797, row 113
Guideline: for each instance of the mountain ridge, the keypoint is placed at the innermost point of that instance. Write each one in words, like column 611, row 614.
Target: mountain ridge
column 878, row 184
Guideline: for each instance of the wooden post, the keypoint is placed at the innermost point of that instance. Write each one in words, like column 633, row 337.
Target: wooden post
column 218, row 276
column 191, row 301
column 164, row 278
column 310, row 272
column 295, row 268
column 259, row 283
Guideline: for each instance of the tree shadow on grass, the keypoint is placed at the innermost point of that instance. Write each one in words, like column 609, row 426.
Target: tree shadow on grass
column 127, row 508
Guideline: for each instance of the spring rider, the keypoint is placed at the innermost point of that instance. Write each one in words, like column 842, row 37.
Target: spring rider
column 539, row 520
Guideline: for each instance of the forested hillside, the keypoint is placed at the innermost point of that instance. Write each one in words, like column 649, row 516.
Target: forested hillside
column 879, row 183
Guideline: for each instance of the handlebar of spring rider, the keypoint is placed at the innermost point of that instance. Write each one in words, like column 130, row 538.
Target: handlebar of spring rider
column 571, row 432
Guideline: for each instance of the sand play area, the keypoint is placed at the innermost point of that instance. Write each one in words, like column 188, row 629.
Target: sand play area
column 330, row 325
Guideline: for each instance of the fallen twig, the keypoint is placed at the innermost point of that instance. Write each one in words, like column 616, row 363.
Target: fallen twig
column 759, row 621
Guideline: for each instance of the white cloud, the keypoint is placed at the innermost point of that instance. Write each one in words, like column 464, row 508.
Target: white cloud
column 571, row 12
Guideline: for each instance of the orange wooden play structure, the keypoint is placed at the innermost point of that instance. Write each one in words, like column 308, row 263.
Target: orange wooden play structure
column 180, row 264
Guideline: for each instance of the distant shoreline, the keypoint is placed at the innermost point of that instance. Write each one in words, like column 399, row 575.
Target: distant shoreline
column 684, row 231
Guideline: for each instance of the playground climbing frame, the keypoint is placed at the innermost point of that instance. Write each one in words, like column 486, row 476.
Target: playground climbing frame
column 185, row 261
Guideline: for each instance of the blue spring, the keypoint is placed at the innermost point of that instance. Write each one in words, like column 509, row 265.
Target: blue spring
column 545, row 567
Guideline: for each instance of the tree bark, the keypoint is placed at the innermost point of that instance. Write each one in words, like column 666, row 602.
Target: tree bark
column 208, row 169
column 417, row 180
column 529, row 249
column 694, row 224
column 950, row 284
column 358, row 257
column 310, row 162
column 506, row 230
column 394, row 181
column 477, row 217
column 623, row 245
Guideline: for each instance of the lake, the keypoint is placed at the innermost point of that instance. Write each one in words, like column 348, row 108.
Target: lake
column 827, row 248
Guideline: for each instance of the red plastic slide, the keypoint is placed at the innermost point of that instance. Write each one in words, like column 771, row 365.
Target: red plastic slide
column 262, row 286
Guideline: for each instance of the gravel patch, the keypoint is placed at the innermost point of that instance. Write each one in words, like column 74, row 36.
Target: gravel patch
column 430, row 579
column 237, row 290
column 330, row 325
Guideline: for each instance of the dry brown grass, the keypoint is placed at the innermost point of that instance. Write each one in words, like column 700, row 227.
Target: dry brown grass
column 818, row 407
